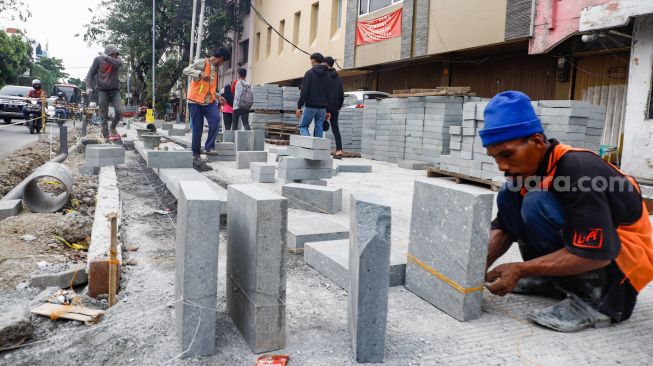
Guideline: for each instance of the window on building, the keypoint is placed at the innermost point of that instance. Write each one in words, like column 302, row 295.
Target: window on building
column 295, row 30
column 368, row 6
column 268, row 43
column 282, row 31
column 257, row 46
column 315, row 10
column 336, row 16
column 244, row 52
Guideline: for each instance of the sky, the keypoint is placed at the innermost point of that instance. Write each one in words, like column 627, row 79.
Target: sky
column 56, row 23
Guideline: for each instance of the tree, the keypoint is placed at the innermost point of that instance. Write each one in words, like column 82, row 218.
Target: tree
column 16, row 8
column 15, row 58
column 50, row 70
column 128, row 24
column 75, row 81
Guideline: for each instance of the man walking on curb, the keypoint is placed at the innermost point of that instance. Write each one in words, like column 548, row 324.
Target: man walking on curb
column 315, row 96
column 337, row 100
column 243, row 101
column 105, row 70
column 202, row 99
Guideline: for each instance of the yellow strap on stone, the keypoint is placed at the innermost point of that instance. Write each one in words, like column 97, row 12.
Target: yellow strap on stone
column 456, row 286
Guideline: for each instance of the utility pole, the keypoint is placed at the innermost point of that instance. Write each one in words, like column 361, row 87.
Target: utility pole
column 190, row 56
column 153, row 54
column 200, row 29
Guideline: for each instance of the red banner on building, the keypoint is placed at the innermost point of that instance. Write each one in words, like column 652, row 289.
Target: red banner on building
column 379, row 29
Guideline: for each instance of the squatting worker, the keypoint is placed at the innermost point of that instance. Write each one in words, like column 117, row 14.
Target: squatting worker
column 105, row 71
column 202, row 99
column 581, row 225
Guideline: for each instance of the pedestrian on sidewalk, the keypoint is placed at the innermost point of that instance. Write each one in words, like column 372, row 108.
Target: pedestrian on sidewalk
column 104, row 70
column 227, row 107
column 243, row 100
column 314, row 97
column 202, row 99
column 337, row 101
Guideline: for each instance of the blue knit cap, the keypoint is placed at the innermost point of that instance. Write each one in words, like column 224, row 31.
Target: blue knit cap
column 509, row 116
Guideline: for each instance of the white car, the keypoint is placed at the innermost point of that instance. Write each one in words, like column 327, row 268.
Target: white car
column 356, row 99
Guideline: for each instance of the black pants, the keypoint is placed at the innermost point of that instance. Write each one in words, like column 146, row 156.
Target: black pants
column 238, row 114
column 336, row 129
column 227, row 118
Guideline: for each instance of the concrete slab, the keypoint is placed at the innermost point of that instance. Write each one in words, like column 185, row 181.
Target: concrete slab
column 74, row 276
column 311, row 154
column 309, row 142
column 304, row 174
column 369, row 273
column 449, row 232
column 245, row 158
column 177, row 132
column 331, row 259
column 9, row 208
column 107, row 201
column 307, row 229
column 196, row 268
column 313, row 198
column 172, row 177
column 349, row 167
column 256, row 274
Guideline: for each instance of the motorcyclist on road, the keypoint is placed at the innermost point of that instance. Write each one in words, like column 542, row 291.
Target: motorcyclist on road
column 36, row 93
column 60, row 106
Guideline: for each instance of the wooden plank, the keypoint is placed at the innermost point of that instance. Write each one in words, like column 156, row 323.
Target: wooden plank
column 433, row 172
column 56, row 311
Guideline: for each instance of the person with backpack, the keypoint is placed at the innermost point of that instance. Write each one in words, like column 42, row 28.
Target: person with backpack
column 243, row 101
column 202, row 99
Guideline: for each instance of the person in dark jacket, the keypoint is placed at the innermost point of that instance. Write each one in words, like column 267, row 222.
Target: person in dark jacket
column 227, row 107
column 337, row 100
column 315, row 96
column 105, row 71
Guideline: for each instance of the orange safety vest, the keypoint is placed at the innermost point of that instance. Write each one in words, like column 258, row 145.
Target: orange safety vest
column 199, row 89
column 635, row 258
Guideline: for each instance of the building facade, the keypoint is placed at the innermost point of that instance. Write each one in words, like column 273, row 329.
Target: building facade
column 592, row 50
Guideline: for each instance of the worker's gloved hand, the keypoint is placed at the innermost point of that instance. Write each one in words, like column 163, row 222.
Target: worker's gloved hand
column 89, row 91
column 504, row 278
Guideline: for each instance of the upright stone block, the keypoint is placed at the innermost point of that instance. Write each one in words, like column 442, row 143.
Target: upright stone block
column 369, row 273
column 229, row 136
column 263, row 172
column 250, row 140
column 449, row 232
column 169, row 159
column 256, row 272
column 245, row 158
column 196, row 267
column 313, row 198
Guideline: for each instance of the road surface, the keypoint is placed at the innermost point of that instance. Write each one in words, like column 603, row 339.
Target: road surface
column 14, row 137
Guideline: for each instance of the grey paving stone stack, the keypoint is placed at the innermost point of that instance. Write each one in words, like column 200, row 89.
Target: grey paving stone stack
column 350, row 122
column 258, row 121
column 256, row 273
column 595, row 127
column 267, row 97
column 565, row 120
column 368, row 142
column 415, row 128
column 196, row 268
column 447, row 250
column 290, row 97
column 289, row 118
column 391, row 129
column 369, row 274
column 310, row 159
column 260, row 97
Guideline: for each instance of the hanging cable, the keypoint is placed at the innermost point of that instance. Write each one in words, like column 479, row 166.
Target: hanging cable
column 261, row 18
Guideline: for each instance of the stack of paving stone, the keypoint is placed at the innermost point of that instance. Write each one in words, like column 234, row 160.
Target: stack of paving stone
column 309, row 160
column 351, row 129
column 440, row 114
column 390, row 140
column 576, row 123
column 368, row 142
column 289, row 118
column 290, row 98
column 258, row 121
column 267, row 97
